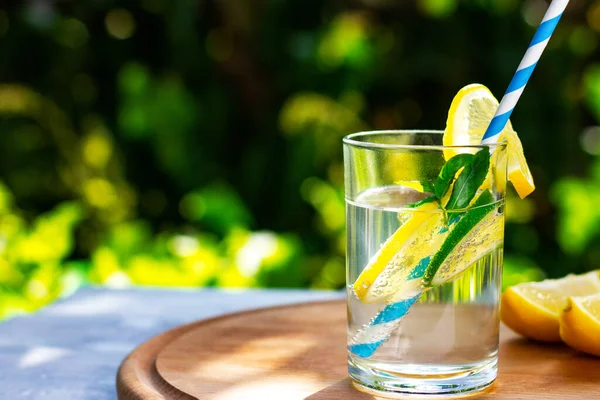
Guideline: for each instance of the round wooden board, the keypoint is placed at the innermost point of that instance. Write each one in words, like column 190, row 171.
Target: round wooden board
column 299, row 352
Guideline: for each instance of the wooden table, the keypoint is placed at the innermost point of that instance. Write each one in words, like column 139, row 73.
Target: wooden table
column 298, row 352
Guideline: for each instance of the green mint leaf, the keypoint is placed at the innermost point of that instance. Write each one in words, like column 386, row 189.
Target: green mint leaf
column 421, row 202
column 428, row 187
column 469, row 180
column 448, row 172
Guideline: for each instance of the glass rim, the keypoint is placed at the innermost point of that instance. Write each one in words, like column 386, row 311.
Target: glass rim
column 351, row 140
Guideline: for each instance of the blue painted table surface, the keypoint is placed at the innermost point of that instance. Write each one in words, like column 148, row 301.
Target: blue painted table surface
column 72, row 349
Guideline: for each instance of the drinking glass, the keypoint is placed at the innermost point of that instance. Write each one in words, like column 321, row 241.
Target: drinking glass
column 423, row 278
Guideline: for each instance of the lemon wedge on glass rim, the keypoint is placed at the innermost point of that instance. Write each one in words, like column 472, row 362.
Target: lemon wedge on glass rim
column 471, row 111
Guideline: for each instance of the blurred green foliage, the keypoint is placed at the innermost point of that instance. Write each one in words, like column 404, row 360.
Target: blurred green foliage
column 197, row 142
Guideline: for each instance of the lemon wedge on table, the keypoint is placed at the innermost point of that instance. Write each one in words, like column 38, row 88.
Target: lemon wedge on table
column 470, row 114
column 533, row 309
column 580, row 324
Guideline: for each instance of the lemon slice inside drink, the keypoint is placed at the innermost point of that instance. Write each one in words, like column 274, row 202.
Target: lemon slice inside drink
column 389, row 269
column 478, row 232
column 470, row 114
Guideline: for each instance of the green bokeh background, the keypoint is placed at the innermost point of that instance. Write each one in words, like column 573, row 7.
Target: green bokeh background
column 198, row 142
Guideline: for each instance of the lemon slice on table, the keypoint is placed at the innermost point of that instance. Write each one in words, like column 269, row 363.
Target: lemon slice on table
column 470, row 114
column 580, row 324
column 533, row 309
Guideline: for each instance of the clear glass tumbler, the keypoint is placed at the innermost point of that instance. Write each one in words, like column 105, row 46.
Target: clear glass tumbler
column 424, row 262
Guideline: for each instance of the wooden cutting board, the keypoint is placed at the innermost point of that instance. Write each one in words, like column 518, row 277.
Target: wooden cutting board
column 299, row 352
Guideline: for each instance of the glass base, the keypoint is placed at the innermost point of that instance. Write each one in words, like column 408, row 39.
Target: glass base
column 422, row 380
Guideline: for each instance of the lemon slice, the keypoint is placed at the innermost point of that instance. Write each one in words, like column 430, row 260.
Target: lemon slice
column 391, row 267
column 470, row 114
column 477, row 233
column 533, row 309
column 580, row 324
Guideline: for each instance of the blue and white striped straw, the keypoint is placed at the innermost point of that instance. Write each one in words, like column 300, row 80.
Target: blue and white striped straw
column 378, row 331
column 519, row 81
column 371, row 337
column 368, row 339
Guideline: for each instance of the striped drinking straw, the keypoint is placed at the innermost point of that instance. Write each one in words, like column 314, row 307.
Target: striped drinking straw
column 519, row 81
column 367, row 340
